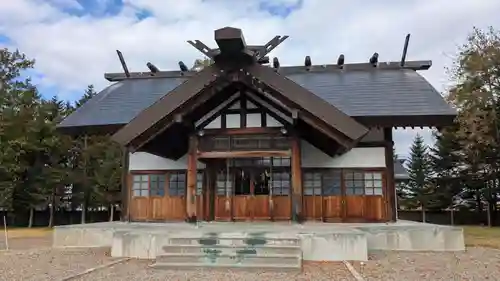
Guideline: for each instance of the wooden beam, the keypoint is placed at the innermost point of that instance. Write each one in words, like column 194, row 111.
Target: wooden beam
column 296, row 180
column 161, row 125
column 261, row 76
column 284, row 70
column 204, row 49
column 243, row 131
column 115, row 77
column 191, row 180
column 390, row 189
column 244, row 154
column 166, row 105
column 269, row 107
column 125, row 196
column 230, row 40
column 216, row 110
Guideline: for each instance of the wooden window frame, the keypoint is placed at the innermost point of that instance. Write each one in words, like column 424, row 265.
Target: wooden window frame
column 158, row 191
column 277, row 189
column 180, row 191
column 374, row 186
column 315, row 177
column 363, row 180
column 200, row 180
column 341, row 176
column 226, row 187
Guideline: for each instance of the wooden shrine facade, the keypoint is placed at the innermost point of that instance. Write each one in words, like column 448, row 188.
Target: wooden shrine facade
column 244, row 163
column 242, row 140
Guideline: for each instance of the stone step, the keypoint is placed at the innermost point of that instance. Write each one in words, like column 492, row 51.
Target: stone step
column 259, row 267
column 229, row 249
column 235, row 241
column 243, row 258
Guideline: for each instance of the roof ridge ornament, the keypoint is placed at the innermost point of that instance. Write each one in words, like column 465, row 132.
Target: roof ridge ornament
column 232, row 45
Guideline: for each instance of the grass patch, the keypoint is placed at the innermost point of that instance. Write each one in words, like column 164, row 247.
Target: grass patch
column 478, row 236
column 28, row 232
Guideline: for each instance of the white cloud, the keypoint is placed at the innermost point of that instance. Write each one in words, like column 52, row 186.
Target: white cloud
column 72, row 51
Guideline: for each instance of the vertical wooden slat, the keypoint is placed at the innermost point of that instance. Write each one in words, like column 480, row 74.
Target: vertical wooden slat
column 343, row 207
column 322, row 217
column 191, row 181
column 125, row 193
column 390, row 194
column 243, row 111
column 296, row 180
column 166, row 196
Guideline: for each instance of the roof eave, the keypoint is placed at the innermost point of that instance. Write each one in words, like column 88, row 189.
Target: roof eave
column 308, row 101
column 166, row 105
column 424, row 120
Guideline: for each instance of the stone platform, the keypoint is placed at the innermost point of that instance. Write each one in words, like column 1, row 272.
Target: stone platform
column 257, row 244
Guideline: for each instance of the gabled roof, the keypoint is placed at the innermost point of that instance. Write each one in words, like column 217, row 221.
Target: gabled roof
column 377, row 92
column 167, row 104
column 211, row 81
column 400, row 172
column 357, row 93
column 304, row 98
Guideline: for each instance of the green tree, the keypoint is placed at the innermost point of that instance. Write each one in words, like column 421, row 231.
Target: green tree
column 419, row 171
column 18, row 105
column 445, row 162
column 199, row 64
column 95, row 168
column 476, row 96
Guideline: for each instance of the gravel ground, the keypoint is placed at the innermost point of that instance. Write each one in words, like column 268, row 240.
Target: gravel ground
column 474, row 264
column 138, row 270
column 27, row 243
column 49, row 264
column 33, row 259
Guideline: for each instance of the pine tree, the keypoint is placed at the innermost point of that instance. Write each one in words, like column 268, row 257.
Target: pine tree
column 419, row 170
column 18, row 100
column 445, row 162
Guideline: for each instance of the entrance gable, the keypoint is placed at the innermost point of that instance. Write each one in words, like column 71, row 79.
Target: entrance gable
column 241, row 111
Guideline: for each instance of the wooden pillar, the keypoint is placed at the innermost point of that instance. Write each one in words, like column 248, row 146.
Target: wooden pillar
column 296, row 181
column 390, row 195
column 125, row 196
column 191, row 180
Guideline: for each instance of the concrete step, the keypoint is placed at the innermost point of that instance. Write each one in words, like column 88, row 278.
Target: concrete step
column 241, row 240
column 236, row 258
column 259, row 267
column 230, row 249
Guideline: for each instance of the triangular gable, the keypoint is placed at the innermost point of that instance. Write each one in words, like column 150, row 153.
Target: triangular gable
column 254, row 113
column 313, row 110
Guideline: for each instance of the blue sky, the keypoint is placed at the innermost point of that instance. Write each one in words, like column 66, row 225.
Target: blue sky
column 74, row 41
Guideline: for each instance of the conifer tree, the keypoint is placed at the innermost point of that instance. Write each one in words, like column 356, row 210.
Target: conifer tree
column 419, row 170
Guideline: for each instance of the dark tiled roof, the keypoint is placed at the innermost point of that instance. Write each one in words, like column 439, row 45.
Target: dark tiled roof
column 121, row 102
column 376, row 93
column 400, row 172
column 356, row 93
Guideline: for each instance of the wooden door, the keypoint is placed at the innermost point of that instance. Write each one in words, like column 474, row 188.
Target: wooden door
column 322, row 199
column 281, row 192
column 332, row 196
column 243, row 201
column 223, row 196
column 363, row 196
column 139, row 206
column 260, row 190
column 312, row 199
